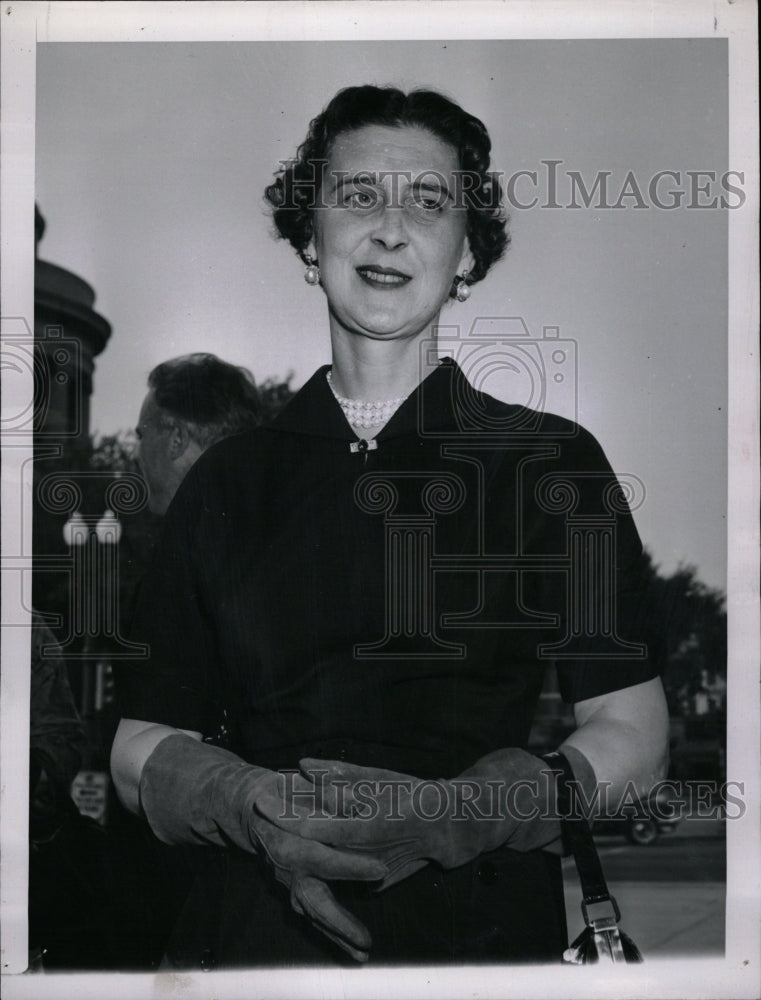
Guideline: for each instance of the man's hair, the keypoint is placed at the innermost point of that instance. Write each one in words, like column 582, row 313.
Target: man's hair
column 214, row 399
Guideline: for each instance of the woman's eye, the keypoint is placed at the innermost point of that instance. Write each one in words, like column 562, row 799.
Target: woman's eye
column 428, row 203
column 361, row 199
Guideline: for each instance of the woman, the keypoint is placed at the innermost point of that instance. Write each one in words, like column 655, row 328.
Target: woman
column 373, row 585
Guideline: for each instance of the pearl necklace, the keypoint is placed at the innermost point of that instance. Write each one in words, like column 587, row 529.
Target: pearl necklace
column 363, row 414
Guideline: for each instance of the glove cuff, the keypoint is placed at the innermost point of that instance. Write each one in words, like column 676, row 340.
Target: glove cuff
column 194, row 793
column 528, row 795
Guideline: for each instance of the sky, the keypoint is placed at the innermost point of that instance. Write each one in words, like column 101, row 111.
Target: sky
column 151, row 160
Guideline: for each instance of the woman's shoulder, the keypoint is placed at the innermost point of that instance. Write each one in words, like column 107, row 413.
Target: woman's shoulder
column 518, row 422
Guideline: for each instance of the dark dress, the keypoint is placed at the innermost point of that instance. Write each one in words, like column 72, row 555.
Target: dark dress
column 393, row 606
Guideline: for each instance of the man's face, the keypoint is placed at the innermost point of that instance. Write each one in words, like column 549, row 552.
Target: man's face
column 154, row 432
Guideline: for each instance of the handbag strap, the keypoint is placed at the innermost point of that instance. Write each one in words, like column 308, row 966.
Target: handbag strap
column 577, row 835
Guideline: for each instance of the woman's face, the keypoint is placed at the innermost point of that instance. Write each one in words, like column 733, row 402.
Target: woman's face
column 391, row 237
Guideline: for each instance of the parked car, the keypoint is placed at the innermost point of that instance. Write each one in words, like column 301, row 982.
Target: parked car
column 642, row 822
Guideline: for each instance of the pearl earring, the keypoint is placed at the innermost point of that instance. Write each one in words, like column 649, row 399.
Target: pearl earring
column 462, row 293
column 312, row 272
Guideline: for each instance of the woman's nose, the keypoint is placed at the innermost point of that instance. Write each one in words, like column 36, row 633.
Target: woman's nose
column 390, row 232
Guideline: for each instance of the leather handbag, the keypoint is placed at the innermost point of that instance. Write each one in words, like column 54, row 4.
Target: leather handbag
column 602, row 940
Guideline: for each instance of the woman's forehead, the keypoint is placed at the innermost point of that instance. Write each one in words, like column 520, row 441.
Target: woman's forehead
column 375, row 148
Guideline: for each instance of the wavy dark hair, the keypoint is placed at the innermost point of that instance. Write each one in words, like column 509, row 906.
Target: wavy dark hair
column 295, row 190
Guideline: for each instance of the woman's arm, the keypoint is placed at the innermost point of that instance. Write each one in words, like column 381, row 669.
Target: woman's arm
column 134, row 742
column 502, row 799
column 194, row 793
column 625, row 737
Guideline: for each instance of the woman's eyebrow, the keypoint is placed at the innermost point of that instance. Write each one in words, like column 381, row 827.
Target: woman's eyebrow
column 342, row 178
column 439, row 188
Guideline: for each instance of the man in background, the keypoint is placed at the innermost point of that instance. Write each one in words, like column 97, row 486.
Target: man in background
column 193, row 401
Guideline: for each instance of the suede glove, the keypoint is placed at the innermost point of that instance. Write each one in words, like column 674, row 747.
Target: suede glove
column 506, row 798
column 194, row 793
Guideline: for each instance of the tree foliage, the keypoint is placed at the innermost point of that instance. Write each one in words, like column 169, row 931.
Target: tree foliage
column 274, row 394
column 686, row 630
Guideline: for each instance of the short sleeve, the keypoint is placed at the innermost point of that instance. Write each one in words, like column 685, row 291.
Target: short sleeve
column 172, row 683
column 601, row 645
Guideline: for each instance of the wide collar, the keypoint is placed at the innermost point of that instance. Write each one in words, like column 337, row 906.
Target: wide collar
column 314, row 410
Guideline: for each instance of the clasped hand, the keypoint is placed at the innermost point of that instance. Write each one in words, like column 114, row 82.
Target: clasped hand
column 304, row 869
column 404, row 821
column 194, row 793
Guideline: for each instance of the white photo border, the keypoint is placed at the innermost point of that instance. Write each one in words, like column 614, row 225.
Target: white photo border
column 26, row 25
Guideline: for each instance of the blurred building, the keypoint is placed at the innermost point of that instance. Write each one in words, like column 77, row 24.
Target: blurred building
column 68, row 335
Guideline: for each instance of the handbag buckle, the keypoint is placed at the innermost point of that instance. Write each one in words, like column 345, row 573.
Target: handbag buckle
column 604, row 920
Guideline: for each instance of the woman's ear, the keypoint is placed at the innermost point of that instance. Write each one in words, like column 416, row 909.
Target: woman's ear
column 467, row 260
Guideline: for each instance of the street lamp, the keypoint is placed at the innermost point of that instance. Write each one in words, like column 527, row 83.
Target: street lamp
column 108, row 530
column 94, row 608
column 94, row 593
column 75, row 530
column 76, row 534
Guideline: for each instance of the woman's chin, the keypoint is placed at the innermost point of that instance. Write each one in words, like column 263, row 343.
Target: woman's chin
column 387, row 328
column 388, row 334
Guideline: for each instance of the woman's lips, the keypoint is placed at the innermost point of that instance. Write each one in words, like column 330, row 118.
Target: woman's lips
column 383, row 277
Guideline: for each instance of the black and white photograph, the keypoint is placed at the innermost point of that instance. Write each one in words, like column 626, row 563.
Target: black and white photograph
column 380, row 489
